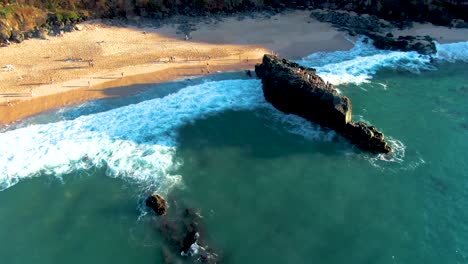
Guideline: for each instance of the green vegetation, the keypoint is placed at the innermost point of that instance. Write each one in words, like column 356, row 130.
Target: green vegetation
column 70, row 16
column 436, row 11
column 5, row 11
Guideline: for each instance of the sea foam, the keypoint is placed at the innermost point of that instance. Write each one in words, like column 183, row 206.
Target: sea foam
column 139, row 141
column 359, row 64
column 136, row 142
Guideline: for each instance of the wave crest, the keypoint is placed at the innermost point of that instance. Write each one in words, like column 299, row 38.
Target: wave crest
column 359, row 64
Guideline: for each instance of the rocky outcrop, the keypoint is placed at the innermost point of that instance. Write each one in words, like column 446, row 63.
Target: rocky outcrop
column 183, row 230
column 157, row 203
column 376, row 29
column 366, row 137
column 351, row 21
column 23, row 22
column 297, row 90
column 421, row 44
column 185, row 233
column 19, row 20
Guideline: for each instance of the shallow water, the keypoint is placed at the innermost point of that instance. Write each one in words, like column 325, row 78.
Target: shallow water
column 270, row 188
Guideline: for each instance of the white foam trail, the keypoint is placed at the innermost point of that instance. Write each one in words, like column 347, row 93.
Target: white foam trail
column 452, row 52
column 135, row 141
column 359, row 64
column 138, row 141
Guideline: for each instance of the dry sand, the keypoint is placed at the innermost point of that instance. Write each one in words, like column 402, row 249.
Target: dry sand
column 54, row 72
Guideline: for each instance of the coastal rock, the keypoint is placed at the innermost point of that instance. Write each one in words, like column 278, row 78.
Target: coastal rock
column 20, row 19
column 184, row 231
column 157, row 203
column 297, row 90
column 423, row 45
column 376, row 29
column 17, row 36
column 366, row 137
column 459, row 23
column 352, row 21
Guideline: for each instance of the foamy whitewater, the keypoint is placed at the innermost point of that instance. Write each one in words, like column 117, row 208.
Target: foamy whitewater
column 139, row 141
column 359, row 64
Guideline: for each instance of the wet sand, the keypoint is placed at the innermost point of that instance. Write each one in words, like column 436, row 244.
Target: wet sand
column 50, row 73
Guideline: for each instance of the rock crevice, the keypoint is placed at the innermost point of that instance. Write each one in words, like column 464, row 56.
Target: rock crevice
column 294, row 89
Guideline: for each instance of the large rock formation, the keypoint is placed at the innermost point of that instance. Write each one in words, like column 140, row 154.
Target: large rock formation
column 157, row 203
column 297, row 90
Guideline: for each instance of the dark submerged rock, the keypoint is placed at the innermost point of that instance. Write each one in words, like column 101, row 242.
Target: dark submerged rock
column 297, row 90
column 183, row 230
column 157, row 203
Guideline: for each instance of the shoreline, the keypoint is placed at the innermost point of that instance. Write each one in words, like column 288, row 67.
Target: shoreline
column 117, row 87
column 51, row 73
column 55, row 72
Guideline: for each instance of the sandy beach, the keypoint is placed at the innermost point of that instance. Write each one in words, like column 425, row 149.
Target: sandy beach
column 38, row 75
column 49, row 73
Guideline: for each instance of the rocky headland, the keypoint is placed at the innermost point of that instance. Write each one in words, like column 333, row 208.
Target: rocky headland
column 294, row 89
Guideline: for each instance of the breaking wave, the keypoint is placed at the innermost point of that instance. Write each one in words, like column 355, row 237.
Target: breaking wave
column 136, row 142
column 359, row 64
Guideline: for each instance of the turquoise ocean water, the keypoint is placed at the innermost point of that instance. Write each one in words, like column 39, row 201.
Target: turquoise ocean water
column 271, row 188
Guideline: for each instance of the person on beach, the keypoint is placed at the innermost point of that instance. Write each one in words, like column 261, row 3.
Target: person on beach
column 91, row 63
column 186, row 37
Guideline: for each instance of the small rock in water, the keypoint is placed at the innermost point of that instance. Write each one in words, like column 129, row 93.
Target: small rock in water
column 157, row 203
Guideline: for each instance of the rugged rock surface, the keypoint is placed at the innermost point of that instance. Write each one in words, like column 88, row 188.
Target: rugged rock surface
column 157, row 203
column 298, row 90
column 366, row 137
column 351, row 21
column 185, row 233
column 423, row 45
column 376, row 29
column 183, row 230
column 19, row 20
